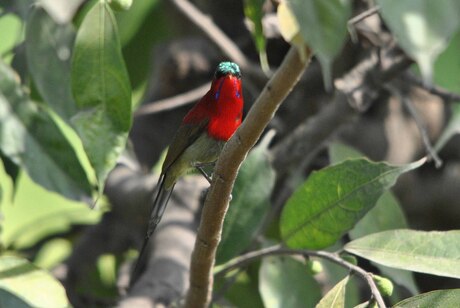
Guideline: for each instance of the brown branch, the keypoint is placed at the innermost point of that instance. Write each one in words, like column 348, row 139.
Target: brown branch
column 358, row 89
column 234, row 152
column 358, row 18
column 173, row 102
column 278, row 250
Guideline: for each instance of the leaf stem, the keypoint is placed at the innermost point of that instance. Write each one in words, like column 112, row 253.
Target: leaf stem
column 279, row 250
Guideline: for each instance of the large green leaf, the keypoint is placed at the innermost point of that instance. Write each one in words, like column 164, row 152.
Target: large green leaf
column 387, row 214
column 250, row 202
column 422, row 27
column 101, row 89
column 335, row 298
column 24, row 285
column 434, row 253
column 285, row 282
column 334, row 199
column 438, row 298
column 31, row 139
column 323, row 25
column 48, row 49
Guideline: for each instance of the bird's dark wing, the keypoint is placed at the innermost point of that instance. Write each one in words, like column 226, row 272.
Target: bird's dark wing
column 185, row 136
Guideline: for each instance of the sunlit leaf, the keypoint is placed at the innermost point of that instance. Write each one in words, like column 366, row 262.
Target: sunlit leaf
column 335, row 298
column 101, row 89
column 433, row 253
column 438, row 298
column 11, row 33
column 334, row 199
column 26, row 223
column 22, row 284
column 289, row 28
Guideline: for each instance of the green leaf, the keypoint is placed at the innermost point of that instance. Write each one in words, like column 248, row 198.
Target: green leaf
column 452, row 129
column 323, row 25
column 438, row 298
column 102, row 90
column 422, row 27
column 243, row 292
column 334, row 274
column 25, row 285
column 334, row 199
column 447, row 66
column 285, row 282
column 26, row 223
column 447, row 75
column 433, row 253
column 335, row 298
column 11, row 168
column 48, row 50
column 11, row 33
column 253, row 9
column 250, row 202
column 131, row 22
column 31, row 139
column 386, row 215
column 339, row 152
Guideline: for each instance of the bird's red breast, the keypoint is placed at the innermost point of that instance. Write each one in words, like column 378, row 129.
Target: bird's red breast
column 221, row 107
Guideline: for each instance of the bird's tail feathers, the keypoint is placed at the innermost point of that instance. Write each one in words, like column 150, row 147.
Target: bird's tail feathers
column 157, row 210
column 159, row 205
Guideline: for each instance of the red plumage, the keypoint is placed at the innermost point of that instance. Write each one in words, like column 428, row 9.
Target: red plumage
column 222, row 107
column 199, row 139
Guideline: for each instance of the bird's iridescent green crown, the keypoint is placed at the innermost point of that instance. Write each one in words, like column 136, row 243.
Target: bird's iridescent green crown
column 227, row 68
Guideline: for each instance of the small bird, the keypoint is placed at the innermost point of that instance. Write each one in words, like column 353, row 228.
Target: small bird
column 199, row 140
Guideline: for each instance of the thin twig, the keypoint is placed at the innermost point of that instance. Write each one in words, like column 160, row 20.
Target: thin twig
column 173, row 102
column 228, row 164
column 216, row 35
column 420, row 125
column 279, row 250
column 358, row 18
column 446, row 95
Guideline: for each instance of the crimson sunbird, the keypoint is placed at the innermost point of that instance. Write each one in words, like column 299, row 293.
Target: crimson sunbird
column 200, row 138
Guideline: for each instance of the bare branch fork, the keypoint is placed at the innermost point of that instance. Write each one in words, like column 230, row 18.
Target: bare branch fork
column 330, row 256
column 234, row 152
